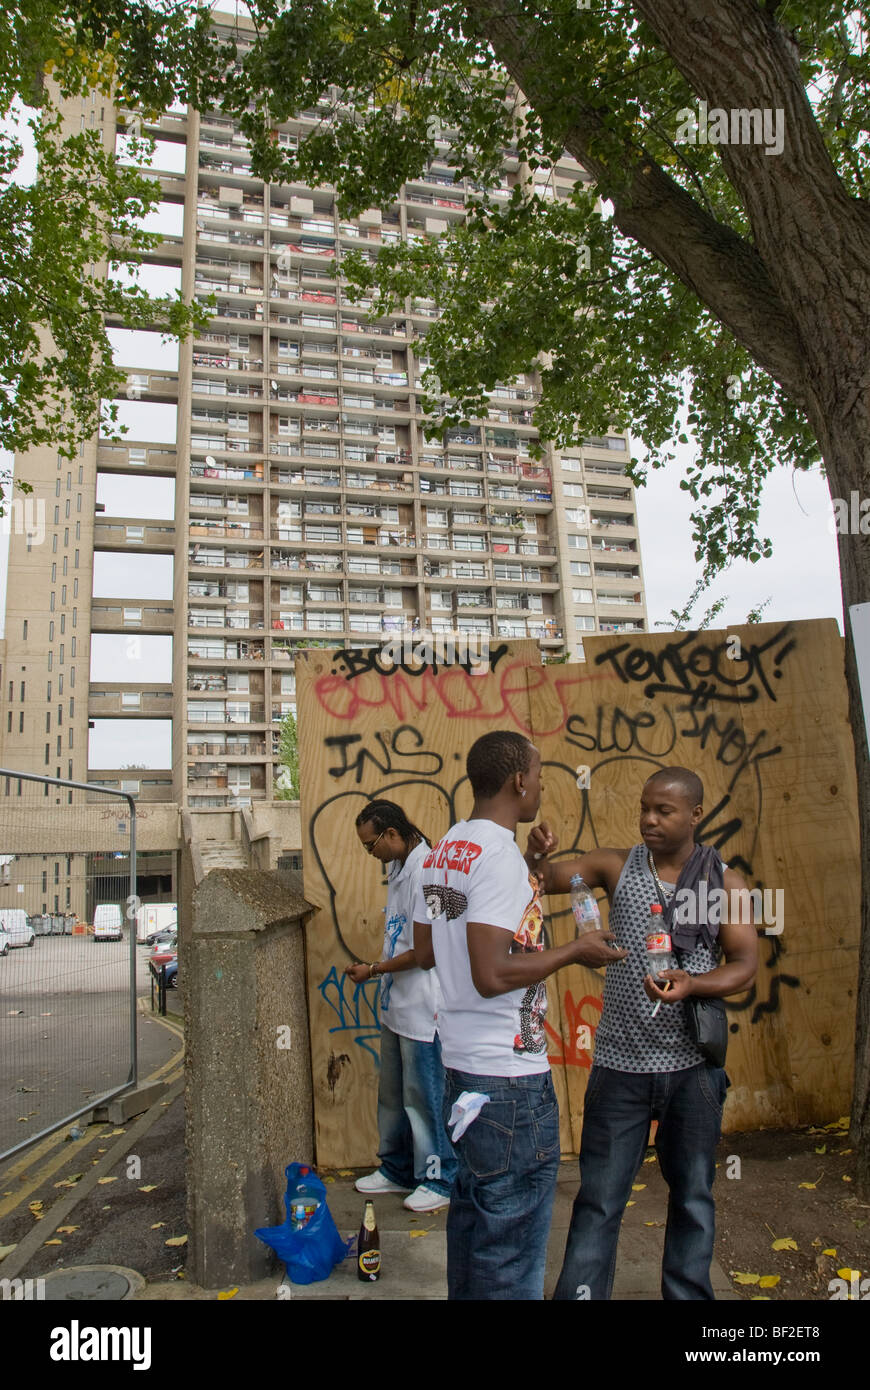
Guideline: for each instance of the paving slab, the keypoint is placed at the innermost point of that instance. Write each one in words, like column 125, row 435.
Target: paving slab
column 415, row 1251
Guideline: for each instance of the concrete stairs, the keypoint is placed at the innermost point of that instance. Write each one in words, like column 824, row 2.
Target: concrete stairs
column 222, row 854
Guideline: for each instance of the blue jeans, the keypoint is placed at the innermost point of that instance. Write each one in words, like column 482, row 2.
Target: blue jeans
column 502, row 1201
column 414, row 1145
column 616, row 1119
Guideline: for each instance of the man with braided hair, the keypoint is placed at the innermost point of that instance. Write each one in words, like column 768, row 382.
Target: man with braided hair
column 478, row 919
column 415, row 1152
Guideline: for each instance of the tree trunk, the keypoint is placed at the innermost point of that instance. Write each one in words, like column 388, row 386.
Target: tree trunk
column 797, row 295
column 855, row 576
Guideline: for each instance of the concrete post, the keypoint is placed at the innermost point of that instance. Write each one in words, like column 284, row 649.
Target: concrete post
column 248, row 1092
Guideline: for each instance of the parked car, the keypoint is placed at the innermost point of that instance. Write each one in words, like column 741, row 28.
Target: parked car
column 16, row 924
column 172, row 974
column 162, row 957
column 4, row 943
column 107, row 922
column 167, row 936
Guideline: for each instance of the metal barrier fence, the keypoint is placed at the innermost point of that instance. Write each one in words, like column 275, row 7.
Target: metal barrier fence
column 68, row 966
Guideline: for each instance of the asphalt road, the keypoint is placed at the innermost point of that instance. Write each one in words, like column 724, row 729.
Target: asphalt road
column 64, row 1028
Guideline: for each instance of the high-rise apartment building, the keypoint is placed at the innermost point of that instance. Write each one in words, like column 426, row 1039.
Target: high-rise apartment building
column 308, row 503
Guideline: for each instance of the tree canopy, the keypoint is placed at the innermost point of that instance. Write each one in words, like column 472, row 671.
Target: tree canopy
column 659, row 309
column 57, row 234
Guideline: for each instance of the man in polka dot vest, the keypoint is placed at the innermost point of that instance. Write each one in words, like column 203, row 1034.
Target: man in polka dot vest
column 646, row 1065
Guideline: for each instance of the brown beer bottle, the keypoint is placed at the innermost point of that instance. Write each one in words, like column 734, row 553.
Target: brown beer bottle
column 368, row 1248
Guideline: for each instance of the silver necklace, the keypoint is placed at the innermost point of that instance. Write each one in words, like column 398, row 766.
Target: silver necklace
column 661, row 887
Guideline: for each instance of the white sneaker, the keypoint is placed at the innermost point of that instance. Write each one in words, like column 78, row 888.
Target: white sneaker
column 426, row 1199
column 377, row 1183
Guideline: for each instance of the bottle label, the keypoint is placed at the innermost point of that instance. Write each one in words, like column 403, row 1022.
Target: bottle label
column 586, row 910
column 658, row 941
column 369, row 1218
column 370, row 1262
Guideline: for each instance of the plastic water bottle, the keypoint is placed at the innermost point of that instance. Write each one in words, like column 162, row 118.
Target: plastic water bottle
column 303, row 1202
column 584, row 906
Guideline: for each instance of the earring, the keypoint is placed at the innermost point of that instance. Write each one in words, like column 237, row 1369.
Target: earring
column 523, row 792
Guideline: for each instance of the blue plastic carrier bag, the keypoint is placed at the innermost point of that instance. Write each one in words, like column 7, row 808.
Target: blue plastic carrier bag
column 311, row 1252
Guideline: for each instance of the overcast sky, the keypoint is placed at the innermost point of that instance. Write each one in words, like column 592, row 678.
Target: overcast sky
column 801, row 579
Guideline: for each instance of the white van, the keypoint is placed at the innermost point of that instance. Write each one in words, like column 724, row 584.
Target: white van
column 107, row 922
column 13, row 921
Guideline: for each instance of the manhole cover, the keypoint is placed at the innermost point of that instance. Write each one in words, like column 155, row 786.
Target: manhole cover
column 92, row 1283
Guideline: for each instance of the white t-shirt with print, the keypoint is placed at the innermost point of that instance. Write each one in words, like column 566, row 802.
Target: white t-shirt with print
column 409, row 998
column 477, row 874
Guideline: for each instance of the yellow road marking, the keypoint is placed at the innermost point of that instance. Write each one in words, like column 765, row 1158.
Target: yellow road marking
column 8, row 1204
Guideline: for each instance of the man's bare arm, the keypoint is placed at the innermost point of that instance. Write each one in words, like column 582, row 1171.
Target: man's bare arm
column 495, row 970
column 423, row 945
column 599, row 868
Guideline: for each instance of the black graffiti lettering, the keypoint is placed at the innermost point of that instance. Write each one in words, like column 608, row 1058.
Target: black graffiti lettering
column 436, row 762
column 343, row 742
column 618, row 731
column 770, row 1005
column 390, row 744
column 700, row 669
column 351, row 662
column 731, row 749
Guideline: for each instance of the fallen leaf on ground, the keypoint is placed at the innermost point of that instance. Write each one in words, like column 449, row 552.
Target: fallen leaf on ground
column 759, row 1298
column 654, row 1223
column 745, row 1278
column 784, row 1243
column 157, row 1225
column 845, row 1273
column 412, row 1234
column 66, row 1230
column 768, row 1281
column 152, row 1186
column 630, row 1204
column 113, row 1132
column 35, row 1206
column 808, row 1185
column 829, row 1252
column 329, row 1179
column 53, row 1242
column 846, row 1178
column 6, row 1250
column 651, row 1159
column 177, row 1240
column 345, row 1172
column 843, row 1152
column 638, row 1186
column 105, row 1180
column 823, row 1149
column 230, row 1293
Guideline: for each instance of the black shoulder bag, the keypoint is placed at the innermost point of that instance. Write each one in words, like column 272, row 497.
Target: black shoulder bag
column 706, row 1019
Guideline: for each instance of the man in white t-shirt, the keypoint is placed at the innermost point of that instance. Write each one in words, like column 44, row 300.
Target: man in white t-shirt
column 478, row 919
